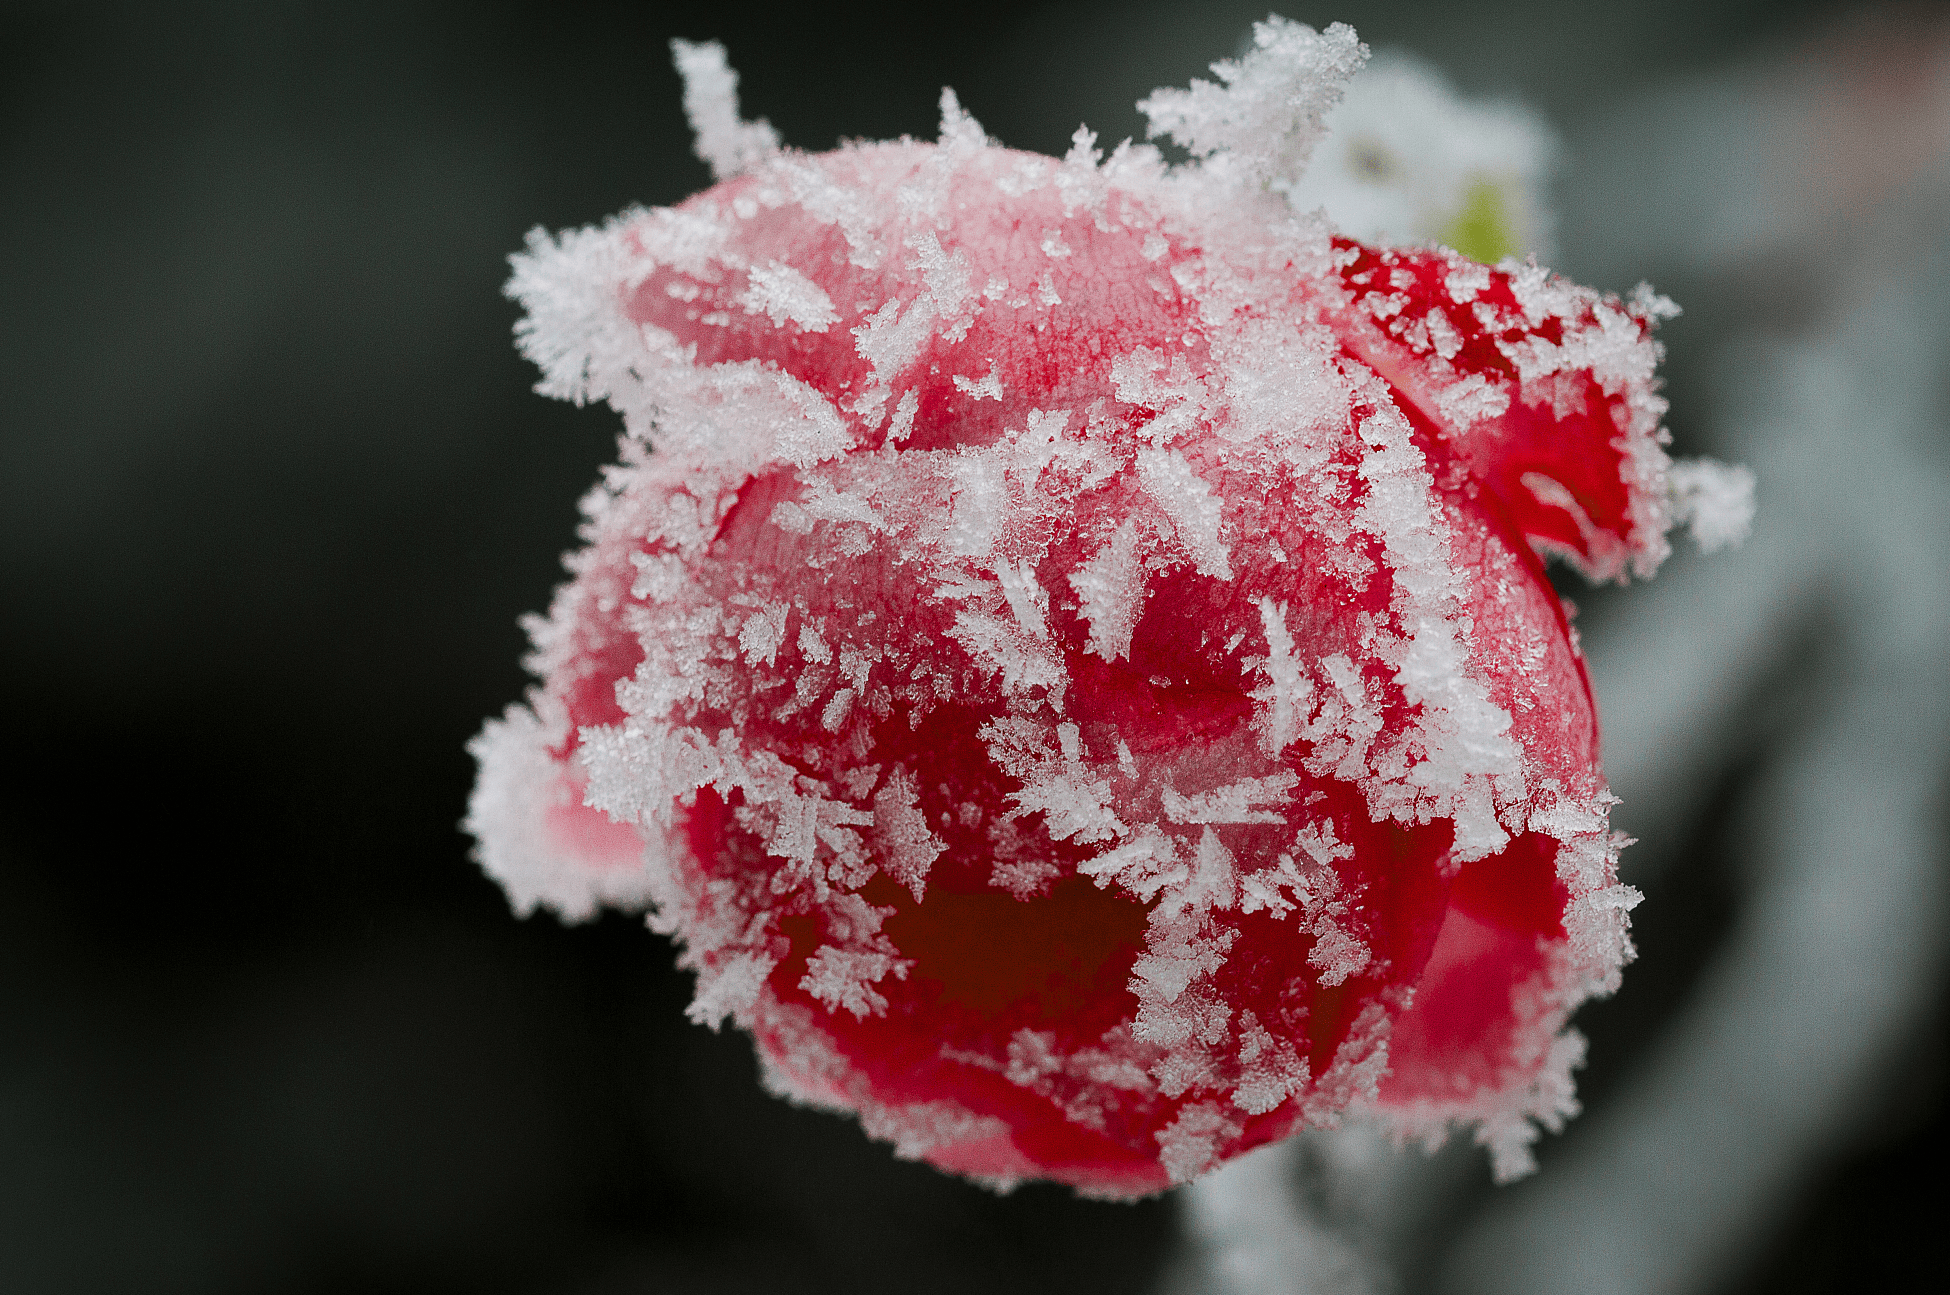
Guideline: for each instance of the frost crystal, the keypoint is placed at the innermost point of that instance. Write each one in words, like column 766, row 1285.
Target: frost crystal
column 730, row 145
column 1714, row 500
column 1264, row 118
column 1075, row 672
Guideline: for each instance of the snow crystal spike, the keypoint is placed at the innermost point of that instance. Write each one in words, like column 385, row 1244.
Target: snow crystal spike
column 731, row 145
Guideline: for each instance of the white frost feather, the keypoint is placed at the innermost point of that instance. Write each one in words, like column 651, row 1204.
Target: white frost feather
column 732, row 146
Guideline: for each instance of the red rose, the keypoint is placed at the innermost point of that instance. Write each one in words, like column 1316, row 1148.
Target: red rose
column 1066, row 651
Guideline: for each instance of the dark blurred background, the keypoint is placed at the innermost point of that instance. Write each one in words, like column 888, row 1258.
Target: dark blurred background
column 274, row 491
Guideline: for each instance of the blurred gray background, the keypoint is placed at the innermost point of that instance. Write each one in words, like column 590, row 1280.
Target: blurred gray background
column 273, row 490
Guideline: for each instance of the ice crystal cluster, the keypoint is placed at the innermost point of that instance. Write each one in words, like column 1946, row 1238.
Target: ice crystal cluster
column 1066, row 650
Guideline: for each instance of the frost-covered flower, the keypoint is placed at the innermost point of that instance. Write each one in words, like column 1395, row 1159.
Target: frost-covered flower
column 1066, row 650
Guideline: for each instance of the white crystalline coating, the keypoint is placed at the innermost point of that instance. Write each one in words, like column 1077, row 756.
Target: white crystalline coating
column 1028, row 600
column 1215, row 873
column 1190, row 1146
column 1285, row 700
column 1653, row 305
column 949, row 291
column 844, row 978
column 1237, row 802
column 1074, row 805
column 981, row 502
column 1472, row 400
column 1143, row 865
column 907, row 845
column 1177, row 960
column 814, row 646
column 1468, row 759
column 730, row 989
column 1604, row 348
column 536, row 837
column 732, row 146
column 1185, row 497
column 1316, row 841
column 782, row 293
column 574, row 330
column 1442, row 333
column 903, row 421
column 764, row 633
column 989, row 387
column 1110, row 590
column 1337, row 954
column 1613, row 351
column 1262, row 120
column 1271, row 1069
column 1143, row 377
column 1715, row 500
column 959, row 131
column 891, row 338
column 1467, row 278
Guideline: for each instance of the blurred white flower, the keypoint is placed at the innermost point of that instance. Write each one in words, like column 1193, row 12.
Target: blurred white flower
column 1408, row 160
